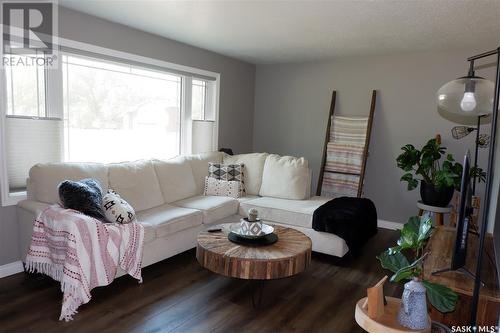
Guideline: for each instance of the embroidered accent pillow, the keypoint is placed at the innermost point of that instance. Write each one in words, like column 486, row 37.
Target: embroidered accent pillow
column 116, row 209
column 228, row 172
column 222, row 188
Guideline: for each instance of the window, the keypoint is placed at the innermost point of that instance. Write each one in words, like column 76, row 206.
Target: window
column 202, row 103
column 115, row 112
column 101, row 105
column 25, row 89
column 198, row 101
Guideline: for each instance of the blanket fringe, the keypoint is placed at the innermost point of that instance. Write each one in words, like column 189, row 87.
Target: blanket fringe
column 68, row 289
column 45, row 268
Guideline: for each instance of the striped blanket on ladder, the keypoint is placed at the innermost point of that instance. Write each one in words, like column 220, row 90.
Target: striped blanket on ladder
column 82, row 253
column 344, row 156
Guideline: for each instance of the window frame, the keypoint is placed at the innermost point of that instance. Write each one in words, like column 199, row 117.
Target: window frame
column 54, row 99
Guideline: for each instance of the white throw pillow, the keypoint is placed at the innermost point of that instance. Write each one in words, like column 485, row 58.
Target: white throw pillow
column 116, row 209
column 254, row 166
column 285, row 177
column 222, row 188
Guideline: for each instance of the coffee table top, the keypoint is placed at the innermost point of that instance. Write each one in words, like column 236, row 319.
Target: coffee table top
column 290, row 255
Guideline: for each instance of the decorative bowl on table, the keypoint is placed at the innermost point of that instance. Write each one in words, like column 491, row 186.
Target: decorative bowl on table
column 251, row 230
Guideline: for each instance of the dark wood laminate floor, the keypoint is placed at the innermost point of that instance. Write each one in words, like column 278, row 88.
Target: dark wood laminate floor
column 179, row 296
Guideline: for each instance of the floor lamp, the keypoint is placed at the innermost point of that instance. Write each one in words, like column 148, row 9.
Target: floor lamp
column 471, row 95
column 482, row 141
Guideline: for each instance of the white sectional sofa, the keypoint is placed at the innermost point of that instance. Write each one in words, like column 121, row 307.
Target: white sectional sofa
column 169, row 201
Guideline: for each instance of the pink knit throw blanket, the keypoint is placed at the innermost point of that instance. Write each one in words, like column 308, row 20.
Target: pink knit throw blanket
column 82, row 253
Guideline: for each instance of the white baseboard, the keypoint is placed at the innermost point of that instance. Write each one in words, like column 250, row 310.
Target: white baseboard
column 11, row 268
column 389, row 225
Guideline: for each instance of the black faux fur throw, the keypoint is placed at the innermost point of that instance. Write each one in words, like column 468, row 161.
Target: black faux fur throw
column 84, row 196
column 352, row 219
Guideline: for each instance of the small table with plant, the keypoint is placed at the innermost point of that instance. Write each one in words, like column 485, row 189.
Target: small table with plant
column 406, row 261
column 439, row 175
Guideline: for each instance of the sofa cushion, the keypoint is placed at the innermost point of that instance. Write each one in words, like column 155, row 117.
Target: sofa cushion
column 248, row 198
column 285, row 177
column 199, row 164
column 176, row 179
column 292, row 212
column 136, row 182
column 213, row 208
column 46, row 177
column 254, row 166
column 167, row 219
column 149, row 232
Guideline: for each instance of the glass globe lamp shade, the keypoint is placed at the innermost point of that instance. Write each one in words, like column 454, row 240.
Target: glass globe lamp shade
column 467, row 96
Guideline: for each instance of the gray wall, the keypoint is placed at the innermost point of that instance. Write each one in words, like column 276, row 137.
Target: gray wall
column 8, row 235
column 236, row 104
column 292, row 103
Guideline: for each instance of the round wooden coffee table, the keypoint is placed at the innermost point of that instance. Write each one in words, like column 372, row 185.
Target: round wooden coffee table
column 290, row 255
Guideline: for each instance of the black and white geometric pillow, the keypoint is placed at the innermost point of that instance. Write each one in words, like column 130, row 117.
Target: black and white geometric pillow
column 228, row 172
column 116, row 209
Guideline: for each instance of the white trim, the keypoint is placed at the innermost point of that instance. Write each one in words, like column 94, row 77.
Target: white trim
column 216, row 127
column 11, row 199
column 135, row 57
column 389, row 225
column 186, row 123
column 11, row 268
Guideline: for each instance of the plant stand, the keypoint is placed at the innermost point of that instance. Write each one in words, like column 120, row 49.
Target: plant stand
column 438, row 211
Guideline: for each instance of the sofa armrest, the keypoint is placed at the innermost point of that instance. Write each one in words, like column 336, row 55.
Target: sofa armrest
column 27, row 211
column 32, row 206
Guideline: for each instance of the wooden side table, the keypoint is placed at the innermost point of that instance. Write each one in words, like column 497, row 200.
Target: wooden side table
column 387, row 323
column 438, row 211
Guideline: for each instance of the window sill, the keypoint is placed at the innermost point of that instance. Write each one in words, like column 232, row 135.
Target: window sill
column 13, row 198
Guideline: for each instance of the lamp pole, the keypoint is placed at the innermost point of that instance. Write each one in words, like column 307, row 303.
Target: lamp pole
column 476, row 151
column 489, row 183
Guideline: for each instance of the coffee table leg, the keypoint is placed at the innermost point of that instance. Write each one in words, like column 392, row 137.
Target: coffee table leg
column 256, row 286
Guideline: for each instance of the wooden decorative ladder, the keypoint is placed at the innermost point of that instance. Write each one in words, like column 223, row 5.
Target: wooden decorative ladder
column 345, row 153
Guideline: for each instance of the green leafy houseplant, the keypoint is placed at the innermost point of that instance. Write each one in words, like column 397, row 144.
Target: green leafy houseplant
column 427, row 164
column 414, row 236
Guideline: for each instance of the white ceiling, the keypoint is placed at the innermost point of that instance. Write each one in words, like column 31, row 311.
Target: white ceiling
column 293, row 31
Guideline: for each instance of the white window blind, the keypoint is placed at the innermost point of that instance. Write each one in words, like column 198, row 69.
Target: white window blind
column 30, row 141
column 203, row 135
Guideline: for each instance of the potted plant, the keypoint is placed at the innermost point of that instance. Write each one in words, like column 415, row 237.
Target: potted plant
column 438, row 178
column 414, row 236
